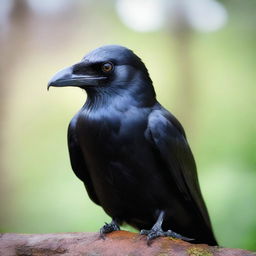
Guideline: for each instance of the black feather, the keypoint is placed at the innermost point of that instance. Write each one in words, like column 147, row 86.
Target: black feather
column 130, row 152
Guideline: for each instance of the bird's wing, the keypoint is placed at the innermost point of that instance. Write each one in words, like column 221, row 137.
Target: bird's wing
column 78, row 162
column 169, row 140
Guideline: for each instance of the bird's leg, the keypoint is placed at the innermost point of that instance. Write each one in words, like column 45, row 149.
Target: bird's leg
column 157, row 231
column 109, row 227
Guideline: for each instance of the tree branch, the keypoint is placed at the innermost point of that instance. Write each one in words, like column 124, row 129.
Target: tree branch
column 116, row 243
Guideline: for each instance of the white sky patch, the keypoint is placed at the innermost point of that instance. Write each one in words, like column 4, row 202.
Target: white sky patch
column 206, row 15
column 151, row 15
column 141, row 15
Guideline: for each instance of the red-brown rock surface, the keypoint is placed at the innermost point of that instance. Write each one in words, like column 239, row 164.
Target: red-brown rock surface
column 115, row 244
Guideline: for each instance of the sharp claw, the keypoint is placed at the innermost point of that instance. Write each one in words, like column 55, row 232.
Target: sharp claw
column 151, row 234
column 144, row 232
column 154, row 233
column 176, row 235
column 157, row 231
column 108, row 227
column 186, row 238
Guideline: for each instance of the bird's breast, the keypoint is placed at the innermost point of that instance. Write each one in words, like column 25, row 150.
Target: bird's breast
column 106, row 131
column 114, row 149
column 120, row 160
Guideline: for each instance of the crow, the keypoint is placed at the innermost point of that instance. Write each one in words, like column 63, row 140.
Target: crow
column 130, row 152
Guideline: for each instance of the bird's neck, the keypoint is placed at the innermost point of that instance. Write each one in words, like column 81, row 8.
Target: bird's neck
column 119, row 99
column 97, row 99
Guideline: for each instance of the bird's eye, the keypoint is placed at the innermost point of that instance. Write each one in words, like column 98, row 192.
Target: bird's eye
column 107, row 67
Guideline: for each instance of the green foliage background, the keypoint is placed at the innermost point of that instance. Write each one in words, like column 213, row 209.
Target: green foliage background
column 40, row 193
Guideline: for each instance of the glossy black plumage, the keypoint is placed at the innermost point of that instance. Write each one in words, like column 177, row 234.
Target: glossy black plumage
column 130, row 152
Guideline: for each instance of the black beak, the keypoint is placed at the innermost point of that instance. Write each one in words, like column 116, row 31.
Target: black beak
column 65, row 77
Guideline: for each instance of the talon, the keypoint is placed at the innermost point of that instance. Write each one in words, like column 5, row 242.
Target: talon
column 108, row 227
column 172, row 234
column 157, row 231
column 144, row 232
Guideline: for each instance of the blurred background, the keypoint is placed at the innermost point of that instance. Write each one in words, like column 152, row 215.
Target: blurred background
column 201, row 55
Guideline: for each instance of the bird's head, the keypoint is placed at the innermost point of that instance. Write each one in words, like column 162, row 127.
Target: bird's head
column 108, row 68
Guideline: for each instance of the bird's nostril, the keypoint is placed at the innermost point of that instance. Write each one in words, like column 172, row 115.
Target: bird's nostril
column 80, row 68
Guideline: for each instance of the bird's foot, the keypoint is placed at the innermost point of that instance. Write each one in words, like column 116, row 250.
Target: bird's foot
column 152, row 233
column 108, row 227
column 158, row 232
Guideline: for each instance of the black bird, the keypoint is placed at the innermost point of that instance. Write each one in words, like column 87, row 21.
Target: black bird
column 130, row 152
